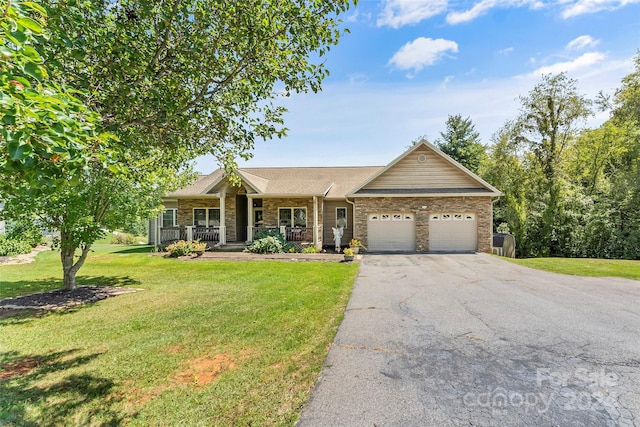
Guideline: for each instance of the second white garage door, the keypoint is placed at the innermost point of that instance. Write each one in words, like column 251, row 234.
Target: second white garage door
column 453, row 231
column 392, row 231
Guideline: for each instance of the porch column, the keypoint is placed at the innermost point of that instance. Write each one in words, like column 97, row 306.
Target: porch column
column 249, row 219
column 283, row 231
column 223, row 228
column 315, row 220
column 158, row 231
column 189, row 232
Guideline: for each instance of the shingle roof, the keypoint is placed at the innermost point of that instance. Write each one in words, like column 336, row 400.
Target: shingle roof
column 310, row 180
column 330, row 182
column 199, row 187
column 335, row 182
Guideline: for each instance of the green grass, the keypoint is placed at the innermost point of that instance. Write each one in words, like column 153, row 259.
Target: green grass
column 206, row 342
column 584, row 266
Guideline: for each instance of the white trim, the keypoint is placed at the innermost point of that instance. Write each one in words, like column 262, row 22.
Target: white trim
column 315, row 220
column 376, row 195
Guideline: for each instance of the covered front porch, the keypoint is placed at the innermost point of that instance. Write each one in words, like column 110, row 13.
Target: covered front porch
column 233, row 214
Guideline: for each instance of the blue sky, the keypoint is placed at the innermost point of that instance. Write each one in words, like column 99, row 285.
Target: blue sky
column 408, row 64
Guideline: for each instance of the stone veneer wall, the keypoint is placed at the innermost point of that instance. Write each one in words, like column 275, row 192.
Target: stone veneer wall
column 186, row 206
column 270, row 212
column 481, row 206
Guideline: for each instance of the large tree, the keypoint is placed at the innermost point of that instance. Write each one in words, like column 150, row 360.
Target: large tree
column 550, row 118
column 192, row 77
column 157, row 84
column 461, row 141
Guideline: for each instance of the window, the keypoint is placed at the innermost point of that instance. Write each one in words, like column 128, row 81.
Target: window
column 341, row 217
column 292, row 217
column 206, row 217
column 169, row 218
column 258, row 219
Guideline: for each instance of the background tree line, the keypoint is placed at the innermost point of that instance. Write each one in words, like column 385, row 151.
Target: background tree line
column 568, row 191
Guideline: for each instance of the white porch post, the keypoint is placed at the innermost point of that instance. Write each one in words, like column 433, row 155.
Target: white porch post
column 158, row 236
column 283, row 231
column 189, row 232
column 315, row 220
column 223, row 228
column 249, row 219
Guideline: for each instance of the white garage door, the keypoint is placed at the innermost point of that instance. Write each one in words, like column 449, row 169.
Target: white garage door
column 453, row 231
column 391, row 231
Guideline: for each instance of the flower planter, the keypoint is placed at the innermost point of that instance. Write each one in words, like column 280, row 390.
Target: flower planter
column 348, row 257
column 356, row 249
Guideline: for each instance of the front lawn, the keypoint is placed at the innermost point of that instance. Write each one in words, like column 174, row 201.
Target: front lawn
column 205, row 343
column 584, row 266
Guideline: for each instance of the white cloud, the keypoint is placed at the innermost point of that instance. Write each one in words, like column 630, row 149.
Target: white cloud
column 584, row 61
column 422, row 52
column 397, row 13
column 371, row 124
column 581, row 7
column 581, row 42
column 446, row 81
column 483, row 6
column 506, row 51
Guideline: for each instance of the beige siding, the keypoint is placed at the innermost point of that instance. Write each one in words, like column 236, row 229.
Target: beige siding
column 330, row 221
column 434, row 172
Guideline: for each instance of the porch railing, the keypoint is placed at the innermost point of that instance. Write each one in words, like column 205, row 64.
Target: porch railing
column 172, row 234
column 291, row 234
column 204, row 234
column 296, row 234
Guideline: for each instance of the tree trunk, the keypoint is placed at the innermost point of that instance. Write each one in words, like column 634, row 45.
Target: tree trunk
column 67, row 255
column 69, row 273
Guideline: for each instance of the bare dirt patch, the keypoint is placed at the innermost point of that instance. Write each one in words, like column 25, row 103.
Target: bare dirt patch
column 204, row 370
column 199, row 372
column 19, row 367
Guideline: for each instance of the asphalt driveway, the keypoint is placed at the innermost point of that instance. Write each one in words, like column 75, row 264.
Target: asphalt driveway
column 471, row 340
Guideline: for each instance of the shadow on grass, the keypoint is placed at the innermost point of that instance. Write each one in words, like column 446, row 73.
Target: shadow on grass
column 34, row 391
column 136, row 250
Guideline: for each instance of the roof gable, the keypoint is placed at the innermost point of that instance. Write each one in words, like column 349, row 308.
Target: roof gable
column 424, row 169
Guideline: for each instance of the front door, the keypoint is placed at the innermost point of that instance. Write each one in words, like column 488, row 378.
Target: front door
column 241, row 217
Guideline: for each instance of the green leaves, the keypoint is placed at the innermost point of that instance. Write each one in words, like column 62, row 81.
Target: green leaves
column 30, row 24
column 48, row 135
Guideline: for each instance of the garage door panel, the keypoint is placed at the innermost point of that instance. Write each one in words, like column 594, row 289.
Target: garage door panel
column 453, row 231
column 393, row 231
